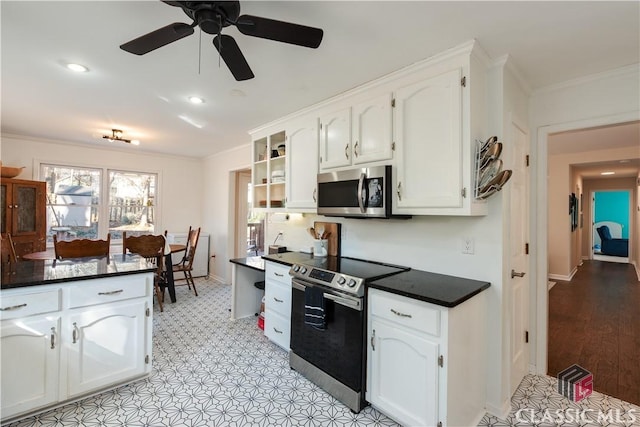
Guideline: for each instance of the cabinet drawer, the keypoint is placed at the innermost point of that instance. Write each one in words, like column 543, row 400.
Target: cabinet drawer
column 405, row 311
column 21, row 304
column 103, row 291
column 278, row 298
column 277, row 328
column 278, row 272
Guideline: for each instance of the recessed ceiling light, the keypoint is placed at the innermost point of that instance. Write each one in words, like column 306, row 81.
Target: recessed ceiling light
column 196, row 100
column 607, row 173
column 77, row 68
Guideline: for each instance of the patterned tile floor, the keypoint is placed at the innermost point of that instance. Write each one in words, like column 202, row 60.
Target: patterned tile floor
column 210, row 371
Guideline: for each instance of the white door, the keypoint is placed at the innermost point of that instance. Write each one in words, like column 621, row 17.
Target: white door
column 428, row 136
column 302, row 163
column 335, row 139
column 106, row 344
column 518, row 287
column 403, row 376
column 371, row 131
column 30, row 356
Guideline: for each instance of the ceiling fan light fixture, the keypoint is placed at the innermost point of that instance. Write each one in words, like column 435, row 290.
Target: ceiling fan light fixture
column 116, row 135
column 78, row 68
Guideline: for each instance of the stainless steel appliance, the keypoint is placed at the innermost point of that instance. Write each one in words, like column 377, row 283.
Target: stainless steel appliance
column 335, row 357
column 361, row 192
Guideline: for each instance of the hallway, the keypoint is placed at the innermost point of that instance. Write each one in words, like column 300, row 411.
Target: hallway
column 594, row 321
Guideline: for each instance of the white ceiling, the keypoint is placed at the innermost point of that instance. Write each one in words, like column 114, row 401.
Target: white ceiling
column 550, row 42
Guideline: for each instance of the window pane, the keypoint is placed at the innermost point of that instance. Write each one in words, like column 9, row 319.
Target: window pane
column 73, row 196
column 131, row 203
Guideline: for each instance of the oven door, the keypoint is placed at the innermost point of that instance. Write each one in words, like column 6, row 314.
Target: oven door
column 338, row 349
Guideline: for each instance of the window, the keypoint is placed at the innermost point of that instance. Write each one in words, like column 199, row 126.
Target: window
column 77, row 208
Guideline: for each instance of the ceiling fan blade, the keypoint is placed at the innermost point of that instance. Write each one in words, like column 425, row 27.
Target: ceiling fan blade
column 158, row 38
column 173, row 3
column 285, row 32
column 233, row 57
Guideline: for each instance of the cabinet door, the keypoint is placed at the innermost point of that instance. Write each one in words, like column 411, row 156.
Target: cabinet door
column 23, row 214
column 335, row 139
column 302, row 163
column 30, row 360
column 428, row 137
column 403, row 374
column 371, row 130
column 106, row 344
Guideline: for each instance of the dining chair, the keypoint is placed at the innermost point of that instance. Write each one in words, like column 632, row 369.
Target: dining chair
column 81, row 248
column 8, row 250
column 152, row 248
column 186, row 264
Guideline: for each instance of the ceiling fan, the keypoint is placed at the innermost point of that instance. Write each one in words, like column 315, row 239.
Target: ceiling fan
column 211, row 17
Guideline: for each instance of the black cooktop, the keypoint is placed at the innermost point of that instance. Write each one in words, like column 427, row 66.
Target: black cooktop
column 367, row 270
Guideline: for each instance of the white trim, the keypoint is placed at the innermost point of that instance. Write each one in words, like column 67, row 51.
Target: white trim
column 540, row 209
column 501, row 412
column 562, row 277
column 608, row 258
column 629, row 69
column 635, row 265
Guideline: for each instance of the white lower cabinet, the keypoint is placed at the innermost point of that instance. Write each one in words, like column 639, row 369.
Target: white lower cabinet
column 277, row 304
column 422, row 366
column 60, row 342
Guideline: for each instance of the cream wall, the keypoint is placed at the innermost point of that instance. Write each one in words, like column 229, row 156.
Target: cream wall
column 180, row 178
column 218, row 198
column 564, row 246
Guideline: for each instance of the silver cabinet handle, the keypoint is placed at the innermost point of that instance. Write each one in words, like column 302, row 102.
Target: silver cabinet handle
column 373, row 340
column 397, row 313
column 53, row 338
column 346, row 151
column 74, row 335
column 398, row 190
column 277, row 331
column 13, row 307
column 355, row 149
column 277, row 300
column 279, row 274
column 361, row 193
column 111, row 292
column 516, row 274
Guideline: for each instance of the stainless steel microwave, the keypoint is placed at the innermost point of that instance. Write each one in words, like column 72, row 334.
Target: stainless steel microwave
column 361, row 192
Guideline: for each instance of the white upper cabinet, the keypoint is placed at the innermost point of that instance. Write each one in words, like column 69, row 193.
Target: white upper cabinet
column 302, row 164
column 428, row 139
column 371, row 130
column 335, row 139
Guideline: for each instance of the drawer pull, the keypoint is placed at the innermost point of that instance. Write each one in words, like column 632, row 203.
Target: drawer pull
column 111, row 292
column 277, row 300
column 53, row 338
column 13, row 307
column 278, row 274
column 397, row 313
column 277, row 331
column 74, row 335
column 373, row 341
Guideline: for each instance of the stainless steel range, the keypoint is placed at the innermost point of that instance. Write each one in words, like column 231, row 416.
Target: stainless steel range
column 333, row 356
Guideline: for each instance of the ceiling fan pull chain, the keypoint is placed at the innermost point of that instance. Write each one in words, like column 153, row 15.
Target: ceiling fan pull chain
column 219, row 40
column 199, row 51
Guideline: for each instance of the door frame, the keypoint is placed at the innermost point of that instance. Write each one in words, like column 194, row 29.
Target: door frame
column 539, row 209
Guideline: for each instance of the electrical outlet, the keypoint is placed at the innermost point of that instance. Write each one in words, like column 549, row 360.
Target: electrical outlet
column 468, row 245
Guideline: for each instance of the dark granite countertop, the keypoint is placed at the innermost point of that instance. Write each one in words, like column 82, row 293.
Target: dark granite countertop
column 32, row 273
column 440, row 289
column 289, row 258
column 254, row 262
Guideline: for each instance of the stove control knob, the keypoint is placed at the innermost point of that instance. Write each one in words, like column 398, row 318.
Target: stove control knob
column 341, row 280
column 351, row 283
column 303, row 269
column 296, row 268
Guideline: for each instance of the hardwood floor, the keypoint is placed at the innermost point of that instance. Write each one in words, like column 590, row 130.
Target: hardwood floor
column 594, row 321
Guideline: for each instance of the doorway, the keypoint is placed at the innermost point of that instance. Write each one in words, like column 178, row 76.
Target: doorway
column 611, row 209
column 249, row 229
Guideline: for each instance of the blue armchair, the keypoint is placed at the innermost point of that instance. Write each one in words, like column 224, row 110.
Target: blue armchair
column 610, row 246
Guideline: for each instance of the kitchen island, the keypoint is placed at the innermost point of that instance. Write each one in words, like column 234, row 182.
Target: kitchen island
column 72, row 328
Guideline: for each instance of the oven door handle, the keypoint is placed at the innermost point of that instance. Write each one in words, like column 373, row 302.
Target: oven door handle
column 355, row 303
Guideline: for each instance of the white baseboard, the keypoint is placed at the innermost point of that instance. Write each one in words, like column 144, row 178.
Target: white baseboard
column 563, row 277
column 635, row 265
column 608, row 258
column 501, row 412
column 550, row 285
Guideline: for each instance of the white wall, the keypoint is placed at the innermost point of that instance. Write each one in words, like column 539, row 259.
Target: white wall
column 219, row 205
column 597, row 100
column 180, row 178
